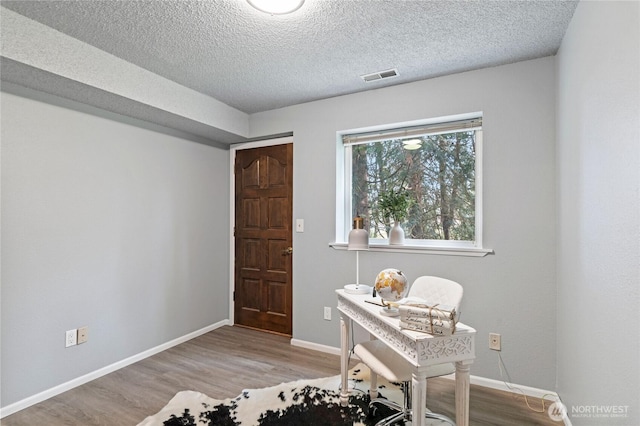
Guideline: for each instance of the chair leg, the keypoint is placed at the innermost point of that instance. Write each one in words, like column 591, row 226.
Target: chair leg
column 391, row 420
column 406, row 389
column 441, row 417
column 386, row 402
column 373, row 389
column 403, row 412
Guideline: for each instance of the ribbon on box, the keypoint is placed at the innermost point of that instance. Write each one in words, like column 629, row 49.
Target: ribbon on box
column 440, row 314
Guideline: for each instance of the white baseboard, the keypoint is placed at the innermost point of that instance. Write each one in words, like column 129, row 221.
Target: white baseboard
column 315, row 346
column 511, row 388
column 475, row 380
column 49, row 393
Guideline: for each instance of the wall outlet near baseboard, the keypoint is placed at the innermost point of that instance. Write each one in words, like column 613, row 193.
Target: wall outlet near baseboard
column 71, row 338
column 495, row 342
column 327, row 313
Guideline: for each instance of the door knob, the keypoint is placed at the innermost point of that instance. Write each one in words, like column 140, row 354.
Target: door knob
column 288, row 250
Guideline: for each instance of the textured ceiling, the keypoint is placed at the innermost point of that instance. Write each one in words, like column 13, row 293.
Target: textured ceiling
column 254, row 62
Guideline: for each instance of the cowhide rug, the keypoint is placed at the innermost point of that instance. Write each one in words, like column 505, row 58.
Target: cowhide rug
column 304, row 402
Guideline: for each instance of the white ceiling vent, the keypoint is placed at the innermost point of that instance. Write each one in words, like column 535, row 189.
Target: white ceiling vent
column 379, row 75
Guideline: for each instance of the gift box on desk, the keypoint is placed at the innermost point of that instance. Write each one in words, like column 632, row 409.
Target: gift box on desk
column 438, row 320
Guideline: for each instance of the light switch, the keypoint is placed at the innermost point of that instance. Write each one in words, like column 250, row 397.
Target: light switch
column 299, row 225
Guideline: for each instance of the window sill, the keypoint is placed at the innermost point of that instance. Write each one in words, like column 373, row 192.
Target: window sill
column 447, row 251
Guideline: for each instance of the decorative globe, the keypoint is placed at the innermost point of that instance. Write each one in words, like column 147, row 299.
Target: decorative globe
column 391, row 285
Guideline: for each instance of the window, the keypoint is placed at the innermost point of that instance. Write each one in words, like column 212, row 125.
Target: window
column 434, row 167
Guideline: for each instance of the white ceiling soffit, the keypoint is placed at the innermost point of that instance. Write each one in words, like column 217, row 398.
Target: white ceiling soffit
column 23, row 80
column 251, row 61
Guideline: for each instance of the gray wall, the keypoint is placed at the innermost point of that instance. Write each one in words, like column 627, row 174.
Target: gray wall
column 511, row 292
column 106, row 225
column 121, row 229
column 599, row 211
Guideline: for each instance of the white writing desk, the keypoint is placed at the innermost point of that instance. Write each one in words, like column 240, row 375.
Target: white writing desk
column 420, row 349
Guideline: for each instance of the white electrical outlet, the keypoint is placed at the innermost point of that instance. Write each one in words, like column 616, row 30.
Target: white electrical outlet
column 299, row 225
column 71, row 338
column 327, row 313
column 83, row 334
column 494, row 342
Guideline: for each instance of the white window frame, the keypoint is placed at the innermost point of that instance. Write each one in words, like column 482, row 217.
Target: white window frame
column 343, row 198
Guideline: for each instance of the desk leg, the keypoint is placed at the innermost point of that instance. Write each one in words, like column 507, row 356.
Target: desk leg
column 418, row 397
column 345, row 332
column 462, row 392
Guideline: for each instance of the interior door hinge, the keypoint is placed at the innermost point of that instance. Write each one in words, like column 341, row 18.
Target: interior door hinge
column 234, row 295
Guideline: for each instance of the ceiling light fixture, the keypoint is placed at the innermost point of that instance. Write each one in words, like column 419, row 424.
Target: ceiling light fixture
column 411, row 144
column 276, row 7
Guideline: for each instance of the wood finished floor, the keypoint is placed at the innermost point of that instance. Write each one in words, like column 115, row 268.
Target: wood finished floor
column 221, row 364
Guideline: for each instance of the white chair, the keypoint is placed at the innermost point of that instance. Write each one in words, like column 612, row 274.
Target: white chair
column 384, row 361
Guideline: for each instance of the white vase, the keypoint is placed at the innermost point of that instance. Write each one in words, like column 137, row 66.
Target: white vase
column 396, row 235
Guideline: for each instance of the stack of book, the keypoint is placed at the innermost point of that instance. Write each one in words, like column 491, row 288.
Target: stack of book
column 439, row 320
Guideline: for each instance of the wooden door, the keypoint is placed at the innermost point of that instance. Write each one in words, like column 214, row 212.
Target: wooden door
column 263, row 218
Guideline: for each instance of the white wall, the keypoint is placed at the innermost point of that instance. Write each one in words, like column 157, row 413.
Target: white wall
column 104, row 225
column 599, row 212
column 511, row 292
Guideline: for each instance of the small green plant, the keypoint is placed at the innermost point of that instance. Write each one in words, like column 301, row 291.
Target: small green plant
column 395, row 204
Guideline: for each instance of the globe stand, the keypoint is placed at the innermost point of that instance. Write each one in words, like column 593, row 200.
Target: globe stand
column 389, row 311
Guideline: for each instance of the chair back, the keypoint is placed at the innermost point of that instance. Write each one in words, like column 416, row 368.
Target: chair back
column 436, row 290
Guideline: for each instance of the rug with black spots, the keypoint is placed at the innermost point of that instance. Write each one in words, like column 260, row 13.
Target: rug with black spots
column 303, row 402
